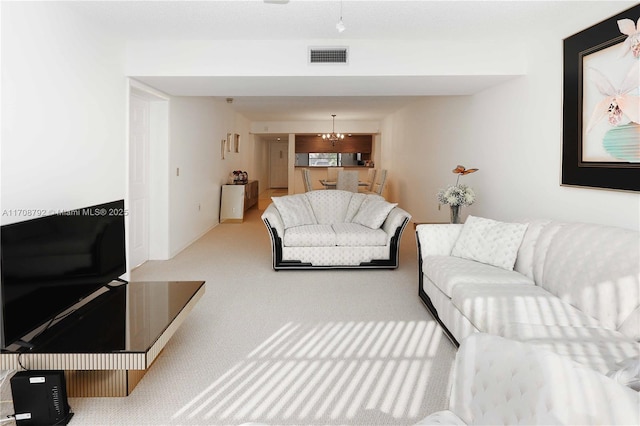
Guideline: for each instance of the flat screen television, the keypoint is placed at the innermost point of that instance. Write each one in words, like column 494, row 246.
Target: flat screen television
column 50, row 263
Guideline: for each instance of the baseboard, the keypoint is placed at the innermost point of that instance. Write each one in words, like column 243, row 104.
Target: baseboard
column 175, row 252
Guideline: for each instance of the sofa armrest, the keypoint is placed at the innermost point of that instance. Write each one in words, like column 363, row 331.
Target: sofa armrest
column 437, row 239
column 275, row 225
column 272, row 215
column 395, row 219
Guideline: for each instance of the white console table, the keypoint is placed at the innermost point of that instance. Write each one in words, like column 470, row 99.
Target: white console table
column 236, row 199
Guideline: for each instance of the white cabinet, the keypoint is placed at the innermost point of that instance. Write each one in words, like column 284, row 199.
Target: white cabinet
column 236, row 199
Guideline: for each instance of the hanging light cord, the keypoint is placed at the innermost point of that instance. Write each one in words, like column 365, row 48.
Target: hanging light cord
column 340, row 25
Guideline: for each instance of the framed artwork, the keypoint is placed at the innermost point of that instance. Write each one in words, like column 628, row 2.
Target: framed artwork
column 236, row 143
column 601, row 110
column 223, row 148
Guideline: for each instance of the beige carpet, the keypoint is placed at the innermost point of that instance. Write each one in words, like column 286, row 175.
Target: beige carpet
column 291, row 347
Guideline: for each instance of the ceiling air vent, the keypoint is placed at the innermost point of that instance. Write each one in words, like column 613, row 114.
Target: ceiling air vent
column 328, row 55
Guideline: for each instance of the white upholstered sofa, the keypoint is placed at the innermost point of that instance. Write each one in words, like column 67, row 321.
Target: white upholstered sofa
column 504, row 382
column 334, row 229
column 571, row 288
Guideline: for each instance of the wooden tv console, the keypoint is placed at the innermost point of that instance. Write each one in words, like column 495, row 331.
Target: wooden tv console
column 108, row 345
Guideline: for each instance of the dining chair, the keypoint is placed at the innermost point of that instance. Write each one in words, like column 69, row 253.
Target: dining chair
column 347, row 180
column 381, row 180
column 371, row 179
column 332, row 173
column 306, row 179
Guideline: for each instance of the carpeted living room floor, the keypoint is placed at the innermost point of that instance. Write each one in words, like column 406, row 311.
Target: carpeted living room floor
column 336, row 347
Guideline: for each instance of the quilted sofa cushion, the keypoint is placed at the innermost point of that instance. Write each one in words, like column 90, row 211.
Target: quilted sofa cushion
column 354, row 235
column 490, row 306
column 525, row 259
column 593, row 267
column 336, row 206
column 329, row 206
column 448, row 271
column 372, row 213
column 294, row 210
column 310, row 236
column 338, row 234
column 354, row 204
column 500, row 381
column 597, row 348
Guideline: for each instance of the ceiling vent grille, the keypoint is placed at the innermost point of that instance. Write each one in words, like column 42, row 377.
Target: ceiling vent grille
column 328, row 55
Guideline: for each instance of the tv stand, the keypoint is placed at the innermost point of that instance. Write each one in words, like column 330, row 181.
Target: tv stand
column 107, row 346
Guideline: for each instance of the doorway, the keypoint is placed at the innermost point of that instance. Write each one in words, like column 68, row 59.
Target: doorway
column 147, row 221
column 139, row 111
column 278, row 165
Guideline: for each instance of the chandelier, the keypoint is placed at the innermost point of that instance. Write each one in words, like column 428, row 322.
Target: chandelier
column 333, row 137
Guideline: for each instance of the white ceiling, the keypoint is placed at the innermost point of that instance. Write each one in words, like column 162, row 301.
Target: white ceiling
column 313, row 19
column 272, row 100
column 314, row 98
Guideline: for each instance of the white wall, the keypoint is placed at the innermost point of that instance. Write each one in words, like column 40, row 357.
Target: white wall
column 314, row 126
column 290, row 58
column 513, row 134
column 63, row 116
column 64, row 126
column 419, row 142
column 197, row 125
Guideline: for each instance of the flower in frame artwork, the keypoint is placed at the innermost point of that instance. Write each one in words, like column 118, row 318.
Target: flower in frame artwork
column 601, row 105
column 611, row 112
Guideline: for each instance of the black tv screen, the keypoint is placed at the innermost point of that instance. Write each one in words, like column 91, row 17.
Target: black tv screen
column 51, row 263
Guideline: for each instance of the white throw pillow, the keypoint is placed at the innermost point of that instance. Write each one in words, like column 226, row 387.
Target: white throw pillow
column 295, row 210
column 373, row 212
column 489, row 241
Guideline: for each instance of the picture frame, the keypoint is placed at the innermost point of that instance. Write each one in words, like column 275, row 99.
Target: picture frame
column 236, row 143
column 223, row 148
column 587, row 158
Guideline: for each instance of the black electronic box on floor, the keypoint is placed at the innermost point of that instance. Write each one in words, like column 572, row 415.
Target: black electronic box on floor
column 40, row 398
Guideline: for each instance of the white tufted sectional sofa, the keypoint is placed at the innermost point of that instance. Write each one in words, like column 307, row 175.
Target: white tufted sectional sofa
column 334, row 229
column 572, row 288
column 505, row 382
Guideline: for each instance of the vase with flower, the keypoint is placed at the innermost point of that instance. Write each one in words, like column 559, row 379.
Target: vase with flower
column 457, row 195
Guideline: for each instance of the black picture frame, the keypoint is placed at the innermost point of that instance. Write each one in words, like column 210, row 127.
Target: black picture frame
column 575, row 171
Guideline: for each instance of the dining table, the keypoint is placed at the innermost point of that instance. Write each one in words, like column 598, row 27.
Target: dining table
column 331, row 184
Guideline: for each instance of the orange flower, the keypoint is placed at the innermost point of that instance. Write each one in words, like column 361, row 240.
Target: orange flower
column 462, row 171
